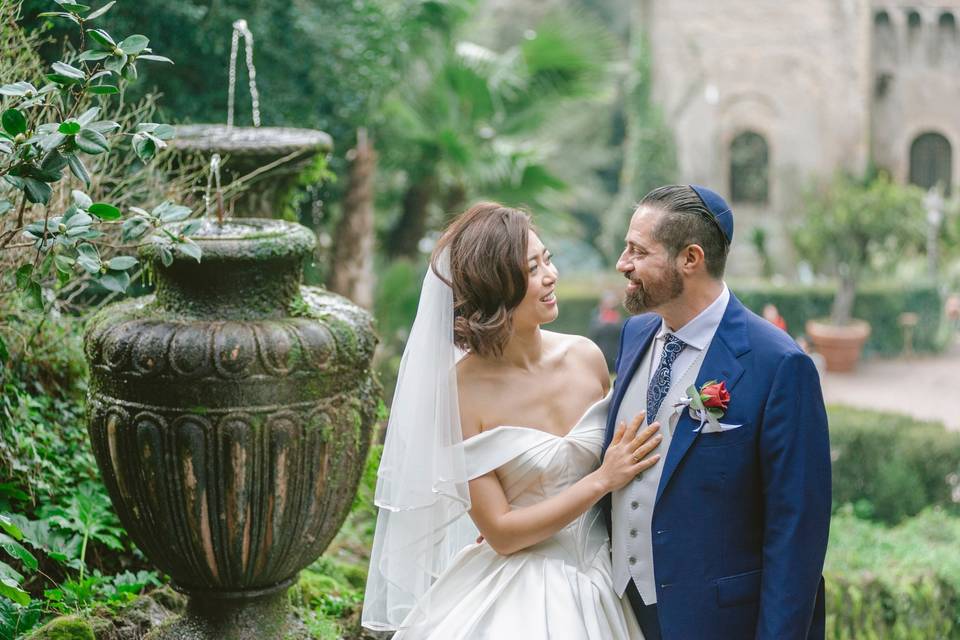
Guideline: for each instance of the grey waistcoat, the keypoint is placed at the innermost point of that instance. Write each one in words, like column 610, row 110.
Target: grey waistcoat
column 632, row 508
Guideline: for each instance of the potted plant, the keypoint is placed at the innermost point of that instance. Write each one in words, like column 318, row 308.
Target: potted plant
column 853, row 228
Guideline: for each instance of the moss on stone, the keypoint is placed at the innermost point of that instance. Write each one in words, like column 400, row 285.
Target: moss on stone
column 65, row 628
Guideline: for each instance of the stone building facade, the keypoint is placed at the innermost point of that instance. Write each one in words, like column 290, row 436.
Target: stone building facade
column 766, row 98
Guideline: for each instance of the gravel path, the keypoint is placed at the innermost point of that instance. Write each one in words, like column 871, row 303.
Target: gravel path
column 923, row 386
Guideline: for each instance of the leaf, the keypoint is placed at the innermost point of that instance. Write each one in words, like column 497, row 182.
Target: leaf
column 99, row 12
column 91, row 55
column 24, row 274
column 18, row 89
column 5, row 206
column 81, row 199
column 115, row 281
column 79, row 220
column 191, row 249
column 88, row 116
column 191, row 227
column 52, row 141
column 88, row 250
column 9, row 588
column 103, row 126
column 121, row 263
column 166, row 257
column 132, row 45
column 134, row 228
column 169, row 212
column 60, row 14
column 70, row 127
column 73, row 6
column 155, row 58
column 103, row 89
column 89, row 265
column 64, row 69
column 78, row 169
column 61, row 79
column 104, row 211
column 33, row 296
column 14, row 122
column 130, row 72
column 162, row 131
column 18, row 551
column 144, row 146
column 37, row 192
column 92, row 142
column 64, row 264
column 102, row 38
column 115, row 62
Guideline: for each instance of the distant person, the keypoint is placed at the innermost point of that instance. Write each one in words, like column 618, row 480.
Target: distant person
column 953, row 311
column 772, row 315
column 605, row 328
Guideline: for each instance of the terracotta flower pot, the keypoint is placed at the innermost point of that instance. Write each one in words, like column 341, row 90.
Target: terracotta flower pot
column 230, row 415
column 840, row 346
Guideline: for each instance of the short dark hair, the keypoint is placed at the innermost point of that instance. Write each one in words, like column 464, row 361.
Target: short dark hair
column 489, row 273
column 685, row 220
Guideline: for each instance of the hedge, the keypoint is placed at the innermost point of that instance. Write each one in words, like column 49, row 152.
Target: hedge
column 891, row 467
column 899, row 583
column 879, row 304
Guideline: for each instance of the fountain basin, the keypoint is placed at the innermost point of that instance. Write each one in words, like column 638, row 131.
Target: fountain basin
column 247, row 149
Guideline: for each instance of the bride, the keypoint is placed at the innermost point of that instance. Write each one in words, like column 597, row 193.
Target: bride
column 497, row 426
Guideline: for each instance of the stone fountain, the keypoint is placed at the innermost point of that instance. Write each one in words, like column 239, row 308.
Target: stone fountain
column 230, row 415
column 272, row 158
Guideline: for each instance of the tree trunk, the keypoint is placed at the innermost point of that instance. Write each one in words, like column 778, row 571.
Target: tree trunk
column 406, row 234
column 842, row 312
column 352, row 269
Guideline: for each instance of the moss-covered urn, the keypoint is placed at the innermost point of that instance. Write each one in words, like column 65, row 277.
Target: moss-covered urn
column 230, row 414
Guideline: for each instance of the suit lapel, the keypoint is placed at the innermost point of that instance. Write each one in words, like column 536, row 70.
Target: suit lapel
column 721, row 363
column 632, row 357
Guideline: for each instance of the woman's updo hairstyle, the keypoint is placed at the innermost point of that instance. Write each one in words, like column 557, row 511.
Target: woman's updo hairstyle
column 488, row 268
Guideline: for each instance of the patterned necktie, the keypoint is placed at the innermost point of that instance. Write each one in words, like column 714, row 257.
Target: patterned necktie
column 660, row 384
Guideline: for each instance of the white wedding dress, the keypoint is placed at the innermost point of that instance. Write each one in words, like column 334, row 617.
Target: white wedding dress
column 559, row 589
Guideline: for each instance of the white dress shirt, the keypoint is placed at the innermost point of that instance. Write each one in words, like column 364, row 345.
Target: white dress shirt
column 696, row 335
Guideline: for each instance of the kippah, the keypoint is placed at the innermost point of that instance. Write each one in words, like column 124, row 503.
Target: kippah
column 716, row 205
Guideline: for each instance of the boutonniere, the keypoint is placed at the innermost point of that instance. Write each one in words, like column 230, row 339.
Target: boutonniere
column 708, row 405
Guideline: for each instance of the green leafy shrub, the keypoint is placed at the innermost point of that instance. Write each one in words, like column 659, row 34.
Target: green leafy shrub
column 893, row 583
column 891, row 467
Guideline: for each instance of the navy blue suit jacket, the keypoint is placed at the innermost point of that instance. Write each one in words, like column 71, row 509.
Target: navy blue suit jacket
column 741, row 517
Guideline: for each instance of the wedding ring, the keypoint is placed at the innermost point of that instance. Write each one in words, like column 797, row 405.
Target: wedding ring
column 636, row 458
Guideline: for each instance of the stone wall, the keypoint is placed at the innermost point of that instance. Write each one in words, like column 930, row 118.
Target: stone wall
column 795, row 73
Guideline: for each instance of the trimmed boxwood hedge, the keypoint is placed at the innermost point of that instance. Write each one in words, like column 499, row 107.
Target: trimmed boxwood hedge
column 879, row 304
column 893, row 583
column 891, row 467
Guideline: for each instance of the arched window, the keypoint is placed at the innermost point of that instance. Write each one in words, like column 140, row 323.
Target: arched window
column 931, row 161
column 884, row 37
column 749, row 168
column 946, row 34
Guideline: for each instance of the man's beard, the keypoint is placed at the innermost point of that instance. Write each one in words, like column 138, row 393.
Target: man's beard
column 655, row 294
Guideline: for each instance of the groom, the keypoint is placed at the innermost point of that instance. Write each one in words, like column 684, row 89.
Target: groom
column 725, row 538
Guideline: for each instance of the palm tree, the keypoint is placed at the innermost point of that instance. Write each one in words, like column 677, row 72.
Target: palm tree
column 463, row 124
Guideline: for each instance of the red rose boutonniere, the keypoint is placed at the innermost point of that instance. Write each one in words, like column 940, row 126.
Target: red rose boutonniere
column 708, row 405
column 715, row 398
